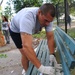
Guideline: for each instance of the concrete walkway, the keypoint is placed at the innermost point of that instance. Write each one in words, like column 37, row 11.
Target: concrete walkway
column 8, row 47
column 11, row 64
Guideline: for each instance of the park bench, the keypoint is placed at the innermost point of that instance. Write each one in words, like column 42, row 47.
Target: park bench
column 66, row 48
column 42, row 53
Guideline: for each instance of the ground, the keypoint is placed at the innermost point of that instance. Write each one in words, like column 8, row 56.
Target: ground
column 11, row 63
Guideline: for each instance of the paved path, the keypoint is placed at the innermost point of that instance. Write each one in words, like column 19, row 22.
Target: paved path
column 11, row 65
column 8, row 47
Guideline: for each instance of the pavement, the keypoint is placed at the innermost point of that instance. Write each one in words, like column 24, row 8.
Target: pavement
column 11, row 63
column 8, row 47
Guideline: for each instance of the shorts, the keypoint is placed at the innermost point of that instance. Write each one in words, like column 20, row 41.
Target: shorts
column 16, row 37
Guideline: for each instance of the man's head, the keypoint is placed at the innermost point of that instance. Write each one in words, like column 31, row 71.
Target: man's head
column 46, row 14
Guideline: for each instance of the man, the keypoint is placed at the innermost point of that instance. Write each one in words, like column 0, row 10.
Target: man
column 69, row 21
column 27, row 22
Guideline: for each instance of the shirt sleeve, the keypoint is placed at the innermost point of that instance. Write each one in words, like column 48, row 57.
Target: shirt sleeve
column 49, row 27
column 27, row 23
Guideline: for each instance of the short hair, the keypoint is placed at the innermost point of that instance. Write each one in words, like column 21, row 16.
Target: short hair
column 47, row 7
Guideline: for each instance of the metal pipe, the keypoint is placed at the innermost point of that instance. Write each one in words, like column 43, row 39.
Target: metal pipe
column 65, row 4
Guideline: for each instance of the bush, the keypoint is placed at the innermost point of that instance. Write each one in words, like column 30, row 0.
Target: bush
column 71, row 32
column 41, row 34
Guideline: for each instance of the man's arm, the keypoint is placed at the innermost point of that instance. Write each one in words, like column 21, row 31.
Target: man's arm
column 28, row 49
column 50, row 40
column 29, row 52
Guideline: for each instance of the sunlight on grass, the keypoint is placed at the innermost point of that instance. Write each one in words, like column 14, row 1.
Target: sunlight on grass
column 71, row 32
column 41, row 34
column 3, row 55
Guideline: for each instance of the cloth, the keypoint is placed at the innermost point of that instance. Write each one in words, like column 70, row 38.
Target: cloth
column 5, row 26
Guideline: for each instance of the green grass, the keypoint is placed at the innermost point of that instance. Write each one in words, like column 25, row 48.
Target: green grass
column 71, row 32
column 3, row 55
column 41, row 34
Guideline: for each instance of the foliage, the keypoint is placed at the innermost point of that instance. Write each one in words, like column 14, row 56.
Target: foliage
column 60, row 3
column 8, row 10
column 57, row 1
column 19, row 4
column 41, row 34
column 3, row 55
column 71, row 32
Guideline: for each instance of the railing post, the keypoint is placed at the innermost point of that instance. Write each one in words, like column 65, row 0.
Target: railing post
column 57, row 11
column 65, row 4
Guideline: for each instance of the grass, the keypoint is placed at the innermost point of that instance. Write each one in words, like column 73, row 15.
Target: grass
column 3, row 55
column 41, row 34
column 71, row 32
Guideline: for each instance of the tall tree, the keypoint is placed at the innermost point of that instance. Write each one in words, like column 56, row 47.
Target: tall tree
column 8, row 10
column 19, row 4
column 1, row 1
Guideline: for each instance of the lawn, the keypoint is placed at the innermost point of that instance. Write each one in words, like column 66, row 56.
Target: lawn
column 71, row 32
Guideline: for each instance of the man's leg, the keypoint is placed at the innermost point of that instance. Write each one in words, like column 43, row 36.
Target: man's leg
column 7, row 36
column 24, row 60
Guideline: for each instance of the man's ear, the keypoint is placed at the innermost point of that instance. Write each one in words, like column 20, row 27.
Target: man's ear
column 39, row 12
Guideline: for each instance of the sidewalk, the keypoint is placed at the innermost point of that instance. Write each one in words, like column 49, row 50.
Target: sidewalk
column 10, row 65
column 8, row 47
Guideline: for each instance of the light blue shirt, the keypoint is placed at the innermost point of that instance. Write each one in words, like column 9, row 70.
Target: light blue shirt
column 26, row 21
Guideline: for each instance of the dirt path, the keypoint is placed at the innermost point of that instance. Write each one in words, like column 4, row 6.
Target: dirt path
column 11, row 65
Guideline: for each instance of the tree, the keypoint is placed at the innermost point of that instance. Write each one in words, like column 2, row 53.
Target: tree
column 8, row 10
column 1, row 1
column 19, row 4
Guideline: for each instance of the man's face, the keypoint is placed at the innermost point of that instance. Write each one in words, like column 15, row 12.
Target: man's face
column 45, row 19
